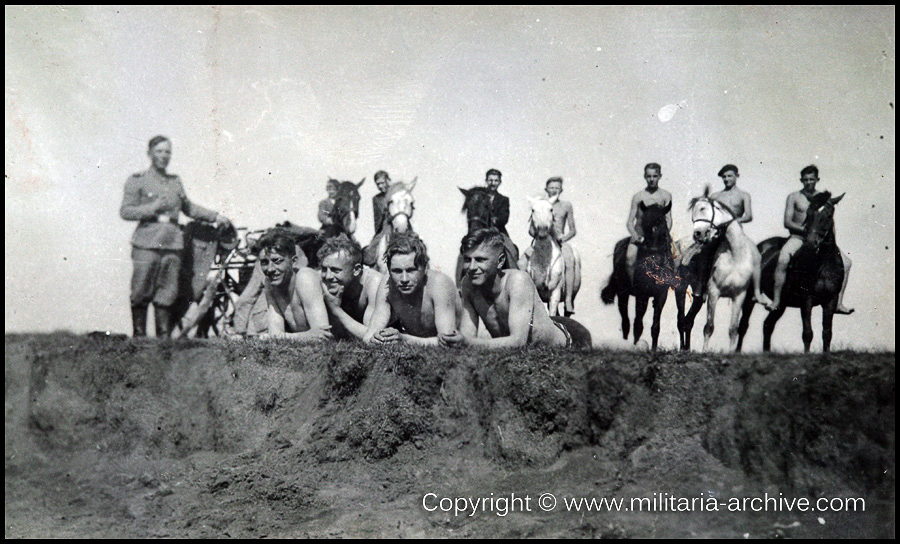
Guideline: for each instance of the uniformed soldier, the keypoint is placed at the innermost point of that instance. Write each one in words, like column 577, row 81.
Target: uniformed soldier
column 383, row 181
column 155, row 198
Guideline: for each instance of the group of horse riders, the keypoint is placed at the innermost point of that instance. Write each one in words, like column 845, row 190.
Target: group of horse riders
column 398, row 297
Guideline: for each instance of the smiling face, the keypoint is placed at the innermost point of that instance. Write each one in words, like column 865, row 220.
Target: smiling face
column 277, row 267
column 729, row 178
column 554, row 188
column 493, row 182
column 338, row 271
column 482, row 263
column 160, row 154
column 405, row 276
column 809, row 181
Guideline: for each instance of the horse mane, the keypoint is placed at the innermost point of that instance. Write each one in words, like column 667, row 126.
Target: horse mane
column 474, row 190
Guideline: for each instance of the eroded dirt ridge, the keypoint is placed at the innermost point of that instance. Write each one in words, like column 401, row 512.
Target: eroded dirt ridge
column 140, row 438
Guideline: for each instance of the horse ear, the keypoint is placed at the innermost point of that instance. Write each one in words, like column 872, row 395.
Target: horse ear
column 642, row 206
column 531, row 200
column 706, row 191
column 465, row 192
column 668, row 207
column 409, row 187
column 837, row 199
column 358, row 185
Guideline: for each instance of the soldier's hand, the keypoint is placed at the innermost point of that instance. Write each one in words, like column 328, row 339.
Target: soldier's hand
column 637, row 240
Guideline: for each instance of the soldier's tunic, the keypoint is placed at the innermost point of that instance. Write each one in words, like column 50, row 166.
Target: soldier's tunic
column 155, row 200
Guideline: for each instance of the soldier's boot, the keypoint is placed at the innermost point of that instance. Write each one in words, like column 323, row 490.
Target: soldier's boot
column 139, row 320
column 163, row 316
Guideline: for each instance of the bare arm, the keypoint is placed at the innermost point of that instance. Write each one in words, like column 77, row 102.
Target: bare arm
column 354, row 327
column 669, row 214
column 789, row 223
column 324, row 215
column 570, row 224
column 381, row 313
column 632, row 217
column 275, row 318
column 748, row 210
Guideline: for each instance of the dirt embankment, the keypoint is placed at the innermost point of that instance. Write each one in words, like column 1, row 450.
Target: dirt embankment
column 139, row 438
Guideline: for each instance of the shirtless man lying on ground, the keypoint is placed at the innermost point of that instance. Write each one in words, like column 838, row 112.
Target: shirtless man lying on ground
column 349, row 288
column 414, row 303
column 506, row 301
column 294, row 294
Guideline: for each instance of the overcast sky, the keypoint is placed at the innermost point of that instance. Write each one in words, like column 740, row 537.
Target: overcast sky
column 263, row 105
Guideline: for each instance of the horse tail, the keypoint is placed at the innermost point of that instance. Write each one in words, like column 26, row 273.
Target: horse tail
column 608, row 294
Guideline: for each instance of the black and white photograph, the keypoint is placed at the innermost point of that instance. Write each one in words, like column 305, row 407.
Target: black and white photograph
column 450, row 271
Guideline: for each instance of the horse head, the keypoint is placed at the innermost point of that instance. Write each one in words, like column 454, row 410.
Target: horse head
column 653, row 223
column 820, row 220
column 477, row 207
column 541, row 216
column 346, row 205
column 400, row 204
column 709, row 218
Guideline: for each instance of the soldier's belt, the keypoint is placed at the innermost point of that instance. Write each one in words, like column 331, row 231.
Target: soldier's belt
column 163, row 218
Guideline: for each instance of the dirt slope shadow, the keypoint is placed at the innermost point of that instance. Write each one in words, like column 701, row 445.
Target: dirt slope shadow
column 139, row 438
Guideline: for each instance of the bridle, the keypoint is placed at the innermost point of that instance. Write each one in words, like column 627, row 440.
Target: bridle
column 715, row 205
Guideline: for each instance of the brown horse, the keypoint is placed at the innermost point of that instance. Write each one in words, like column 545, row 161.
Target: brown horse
column 653, row 273
column 814, row 276
column 477, row 206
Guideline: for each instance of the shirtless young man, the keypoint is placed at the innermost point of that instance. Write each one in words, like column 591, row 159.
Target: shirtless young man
column 294, row 295
column 794, row 219
column 738, row 202
column 422, row 303
column 563, row 218
column 349, row 288
column 648, row 197
column 506, row 301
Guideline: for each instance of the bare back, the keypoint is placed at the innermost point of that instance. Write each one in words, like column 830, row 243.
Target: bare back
column 420, row 314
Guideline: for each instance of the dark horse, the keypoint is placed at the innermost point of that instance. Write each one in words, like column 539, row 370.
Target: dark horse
column 814, row 276
column 478, row 216
column 344, row 215
column 653, row 273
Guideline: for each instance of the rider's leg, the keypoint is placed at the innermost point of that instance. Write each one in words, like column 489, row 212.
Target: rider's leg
column 569, row 259
column 630, row 259
column 841, row 309
column 758, row 296
column 784, row 258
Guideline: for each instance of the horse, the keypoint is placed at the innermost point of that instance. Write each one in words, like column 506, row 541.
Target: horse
column 546, row 266
column 400, row 204
column 814, row 276
column 726, row 265
column 653, row 273
column 477, row 206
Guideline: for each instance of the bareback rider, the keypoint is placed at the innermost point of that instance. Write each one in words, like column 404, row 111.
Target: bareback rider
column 563, row 218
column 794, row 220
column 651, row 195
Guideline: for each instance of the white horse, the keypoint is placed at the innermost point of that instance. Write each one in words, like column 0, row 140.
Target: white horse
column 546, row 265
column 733, row 262
column 400, row 204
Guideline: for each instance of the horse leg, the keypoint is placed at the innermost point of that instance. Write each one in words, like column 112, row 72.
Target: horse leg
column 696, row 305
column 711, row 301
column 680, row 295
column 569, row 279
column 769, row 326
column 640, row 308
column 623, row 311
column 828, row 311
column 737, row 304
column 658, row 303
column 806, row 316
column 749, row 304
column 555, row 296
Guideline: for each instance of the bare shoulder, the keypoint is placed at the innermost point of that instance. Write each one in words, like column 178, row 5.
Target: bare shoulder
column 371, row 277
column 518, row 281
column 307, row 278
column 440, row 282
column 666, row 195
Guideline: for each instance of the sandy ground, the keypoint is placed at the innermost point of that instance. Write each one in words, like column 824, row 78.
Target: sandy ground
column 124, row 438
